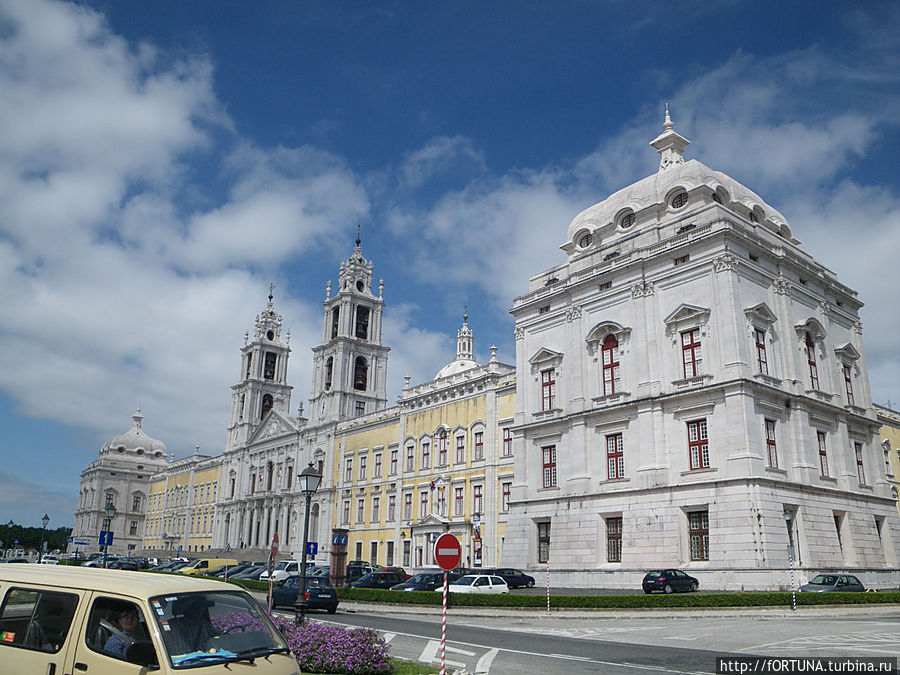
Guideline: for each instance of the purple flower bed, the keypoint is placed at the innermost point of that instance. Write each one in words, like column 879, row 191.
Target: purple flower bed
column 321, row 648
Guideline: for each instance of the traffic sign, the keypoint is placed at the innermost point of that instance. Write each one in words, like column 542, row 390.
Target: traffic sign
column 80, row 542
column 447, row 552
column 312, row 548
column 70, row 539
column 106, row 538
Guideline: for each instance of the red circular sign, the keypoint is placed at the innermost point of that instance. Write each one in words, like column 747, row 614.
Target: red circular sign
column 447, row 552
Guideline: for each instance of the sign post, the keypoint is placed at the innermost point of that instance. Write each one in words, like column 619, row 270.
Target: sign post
column 447, row 554
column 272, row 553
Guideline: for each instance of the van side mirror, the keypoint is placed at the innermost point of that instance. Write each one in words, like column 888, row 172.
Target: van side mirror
column 143, row 654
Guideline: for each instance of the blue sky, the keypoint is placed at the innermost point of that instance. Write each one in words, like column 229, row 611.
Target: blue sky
column 162, row 162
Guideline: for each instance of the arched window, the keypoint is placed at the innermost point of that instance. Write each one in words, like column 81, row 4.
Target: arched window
column 335, row 320
column 610, row 353
column 360, row 374
column 811, row 360
column 266, row 405
column 329, row 371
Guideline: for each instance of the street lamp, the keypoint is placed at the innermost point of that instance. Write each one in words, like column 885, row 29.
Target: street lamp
column 110, row 514
column 789, row 521
column 309, row 480
column 44, row 521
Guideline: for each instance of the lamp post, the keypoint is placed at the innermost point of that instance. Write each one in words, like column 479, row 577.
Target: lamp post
column 309, row 480
column 44, row 521
column 110, row 514
column 789, row 521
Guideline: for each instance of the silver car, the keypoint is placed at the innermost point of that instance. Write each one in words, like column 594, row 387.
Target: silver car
column 826, row 583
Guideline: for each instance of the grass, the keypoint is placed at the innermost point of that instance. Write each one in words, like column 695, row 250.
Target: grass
column 410, row 668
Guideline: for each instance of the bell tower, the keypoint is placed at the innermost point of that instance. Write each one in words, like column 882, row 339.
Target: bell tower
column 350, row 365
column 262, row 387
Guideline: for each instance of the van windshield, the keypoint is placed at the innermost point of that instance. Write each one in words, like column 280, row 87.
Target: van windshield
column 210, row 628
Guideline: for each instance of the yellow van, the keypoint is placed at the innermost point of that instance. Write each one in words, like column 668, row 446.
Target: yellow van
column 56, row 620
column 198, row 565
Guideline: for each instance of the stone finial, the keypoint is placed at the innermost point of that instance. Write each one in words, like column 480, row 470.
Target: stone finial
column 380, row 288
column 493, row 353
column 328, row 289
column 669, row 144
column 406, row 379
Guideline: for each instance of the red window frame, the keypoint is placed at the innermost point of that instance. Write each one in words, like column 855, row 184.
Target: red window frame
column 506, row 489
column 426, row 454
column 392, row 507
column 698, row 532
column 378, row 465
column 410, row 457
column 346, row 511
column 698, row 444
column 614, row 539
column 479, row 445
column 507, row 442
column 394, row 459
column 362, row 468
column 548, row 389
column 860, row 469
column 627, row 221
column 477, row 499
column 458, row 501
column 460, row 449
column 376, row 504
column 360, row 408
column 679, row 200
column 762, row 362
column 811, row 361
column 615, row 457
column 610, row 359
column 441, row 501
column 442, row 448
column 549, row 465
column 771, row 447
column 360, row 510
column 407, row 506
column 423, row 504
column 348, row 470
column 691, row 354
column 823, row 453
column 848, row 383
column 681, row 260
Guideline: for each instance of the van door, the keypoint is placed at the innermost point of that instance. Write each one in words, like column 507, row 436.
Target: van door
column 115, row 626
column 36, row 629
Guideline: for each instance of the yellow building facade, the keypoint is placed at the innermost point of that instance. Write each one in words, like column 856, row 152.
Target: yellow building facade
column 889, row 430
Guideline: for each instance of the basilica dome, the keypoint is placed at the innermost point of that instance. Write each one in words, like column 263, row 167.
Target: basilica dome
column 135, row 441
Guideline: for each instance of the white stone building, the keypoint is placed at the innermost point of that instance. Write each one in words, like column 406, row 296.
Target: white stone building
column 692, row 392
column 121, row 475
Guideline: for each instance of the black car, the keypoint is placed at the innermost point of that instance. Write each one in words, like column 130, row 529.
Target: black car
column 356, row 570
column 513, row 578
column 379, row 580
column 123, row 564
column 427, row 581
column 827, row 583
column 668, row 581
column 320, row 594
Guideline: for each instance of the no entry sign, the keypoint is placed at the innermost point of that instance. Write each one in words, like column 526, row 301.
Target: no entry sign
column 447, row 552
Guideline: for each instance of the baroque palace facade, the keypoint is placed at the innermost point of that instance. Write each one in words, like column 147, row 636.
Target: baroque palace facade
column 690, row 390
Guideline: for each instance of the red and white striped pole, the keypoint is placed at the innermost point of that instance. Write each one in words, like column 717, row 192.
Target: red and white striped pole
column 444, row 625
column 548, row 585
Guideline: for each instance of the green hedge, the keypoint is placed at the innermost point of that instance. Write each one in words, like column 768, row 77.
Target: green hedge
column 779, row 599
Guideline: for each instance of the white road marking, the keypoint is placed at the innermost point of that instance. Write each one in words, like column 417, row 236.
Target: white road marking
column 484, row 663
column 432, row 654
column 388, row 636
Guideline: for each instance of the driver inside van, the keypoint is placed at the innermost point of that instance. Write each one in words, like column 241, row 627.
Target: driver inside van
column 192, row 629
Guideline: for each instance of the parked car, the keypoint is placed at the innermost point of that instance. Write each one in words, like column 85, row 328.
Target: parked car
column 48, row 559
column 668, row 581
column 320, row 594
column 123, row 564
column 826, row 583
column 379, row 580
column 514, row 578
column 282, row 570
column 251, row 573
column 477, row 583
column 426, row 581
column 356, row 570
column 402, row 571
column 17, row 560
column 232, row 570
column 319, row 571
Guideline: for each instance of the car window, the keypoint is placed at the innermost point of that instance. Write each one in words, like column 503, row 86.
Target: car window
column 497, row 581
column 655, row 574
column 114, row 625
column 482, row 581
column 465, row 581
column 36, row 619
column 853, row 580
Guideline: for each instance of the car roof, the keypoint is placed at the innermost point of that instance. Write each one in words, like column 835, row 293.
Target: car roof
column 135, row 584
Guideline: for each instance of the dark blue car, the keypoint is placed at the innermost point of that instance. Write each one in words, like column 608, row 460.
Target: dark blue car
column 320, row 594
column 669, row 581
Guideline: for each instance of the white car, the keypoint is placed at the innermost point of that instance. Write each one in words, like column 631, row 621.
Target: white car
column 477, row 583
column 282, row 570
column 48, row 559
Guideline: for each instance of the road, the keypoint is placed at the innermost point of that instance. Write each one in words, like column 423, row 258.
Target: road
column 506, row 642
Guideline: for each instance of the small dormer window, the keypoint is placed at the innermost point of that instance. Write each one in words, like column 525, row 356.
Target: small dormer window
column 270, row 335
column 679, row 200
column 360, row 286
column 627, row 220
column 120, row 450
column 585, row 240
column 140, row 451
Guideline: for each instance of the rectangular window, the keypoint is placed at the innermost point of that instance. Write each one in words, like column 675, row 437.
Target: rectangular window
column 377, row 465
column 360, row 510
column 393, row 467
column 762, row 362
column 132, row 528
column 848, row 383
column 681, row 260
column 458, row 501
column 423, row 504
column 860, row 470
column 614, row 539
column 507, row 442
column 460, row 449
column 441, row 502
column 543, row 542
column 771, row 448
column 232, row 487
column 410, row 457
column 615, row 457
column 548, row 389
column 610, row 354
column 346, row 513
column 348, row 469
column 506, row 489
column 479, row 445
column 606, row 285
column 373, row 552
column 360, row 408
column 698, row 530
column 442, row 448
column 477, row 499
column 392, row 507
column 407, row 506
column 698, row 446
column 691, row 355
column 544, row 309
column 823, row 454
column 290, row 477
column 426, row 455
column 549, row 465
column 136, row 504
column 376, row 504
column 390, row 553
column 362, row 468
column 811, row 361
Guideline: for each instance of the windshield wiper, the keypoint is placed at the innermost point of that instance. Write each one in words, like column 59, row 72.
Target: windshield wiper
column 256, row 652
column 198, row 657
